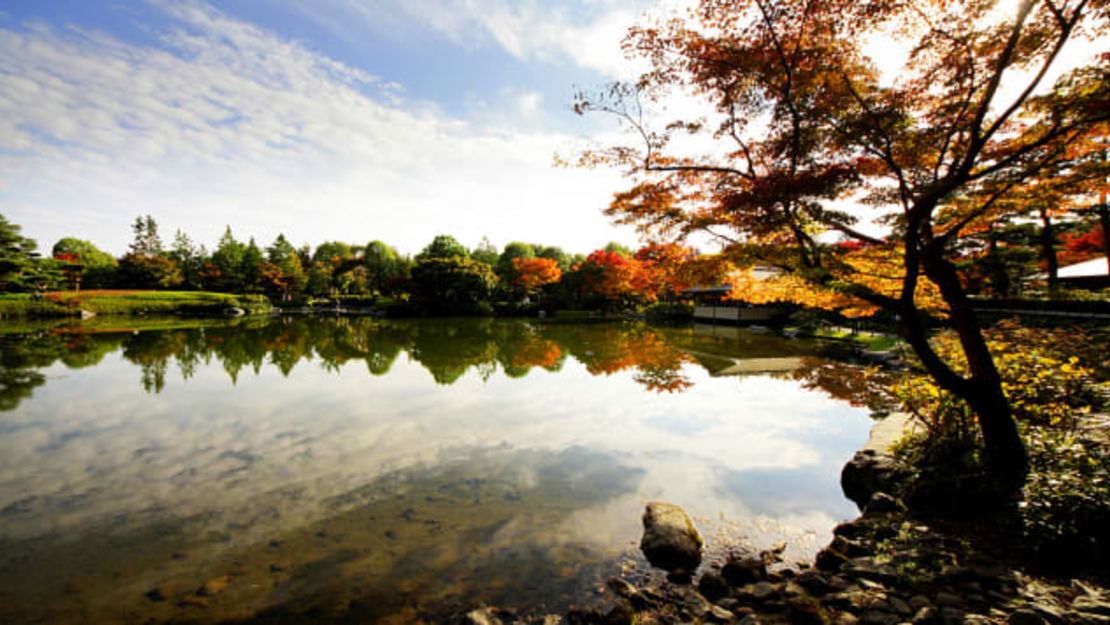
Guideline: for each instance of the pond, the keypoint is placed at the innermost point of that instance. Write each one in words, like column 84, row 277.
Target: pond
column 353, row 469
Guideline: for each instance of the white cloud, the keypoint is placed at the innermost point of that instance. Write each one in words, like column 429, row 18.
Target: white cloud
column 589, row 36
column 226, row 123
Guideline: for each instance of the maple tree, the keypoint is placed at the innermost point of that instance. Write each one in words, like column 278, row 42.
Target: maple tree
column 798, row 119
column 608, row 276
column 532, row 274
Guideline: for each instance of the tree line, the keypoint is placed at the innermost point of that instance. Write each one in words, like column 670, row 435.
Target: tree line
column 445, row 276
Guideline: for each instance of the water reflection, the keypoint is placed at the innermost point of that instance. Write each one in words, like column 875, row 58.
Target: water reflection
column 447, row 349
column 363, row 469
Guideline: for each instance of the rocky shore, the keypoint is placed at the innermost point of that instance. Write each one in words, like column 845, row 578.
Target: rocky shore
column 883, row 568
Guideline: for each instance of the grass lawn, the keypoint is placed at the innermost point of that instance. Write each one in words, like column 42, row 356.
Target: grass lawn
column 125, row 302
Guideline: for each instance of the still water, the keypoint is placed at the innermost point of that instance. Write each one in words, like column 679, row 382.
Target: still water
column 300, row 469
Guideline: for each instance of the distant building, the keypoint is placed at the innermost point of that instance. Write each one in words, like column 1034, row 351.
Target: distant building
column 712, row 304
column 1092, row 274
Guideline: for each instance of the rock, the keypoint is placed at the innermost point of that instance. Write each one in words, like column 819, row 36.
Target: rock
column 482, row 616
column 848, row 600
column 1025, row 617
column 713, row 586
column 926, row 616
column 878, row 617
column 852, row 529
column 952, row 616
column 552, row 619
column 867, row 473
column 846, row 618
column 621, row 614
column 750, row 619
column 234, row 311
column 919, row 601
column 900, row 606
column 214, row 586
column 866, row 568
column 814, row 582
column 849, row 547
column 581, row 616
column 829, row 560
column 157, row 594
column 622, row 588
column 670, row 540
column 804, row 611
column 882, row 503
column 758, row 592
column 718, row 614
column 945, row 598
column 1091, row 604
column 740, row 571
column 1051, row 613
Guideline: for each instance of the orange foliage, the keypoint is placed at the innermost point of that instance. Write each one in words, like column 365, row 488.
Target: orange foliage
column 531, row 274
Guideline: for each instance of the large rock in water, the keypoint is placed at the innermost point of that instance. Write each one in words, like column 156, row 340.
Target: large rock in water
column 670, row 541
column 867, row 473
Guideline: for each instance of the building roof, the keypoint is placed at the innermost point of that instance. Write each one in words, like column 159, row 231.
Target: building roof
column 1094, row 268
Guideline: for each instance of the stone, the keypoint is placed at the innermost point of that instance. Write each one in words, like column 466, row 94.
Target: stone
column 945, row 598
column 920, row 601
column 622, row 588
column 814, row 582
column 900, row 606
column 718, row 614
column 852, row 529
column 670, row 541
column 741, row 571
column 926, row 615
column 749, row 619
column 482, row 616
column 1091, row 604
column 621, row 614
column 849, row 547
column 952, row 616
column 804, row 611
column 214, row 586
column 713, row 586
column 867, row 473
column 882, row 503
column 878, row 617
column 1025, row 617
column 829, row 560
column 866, row 568
column 846, row 618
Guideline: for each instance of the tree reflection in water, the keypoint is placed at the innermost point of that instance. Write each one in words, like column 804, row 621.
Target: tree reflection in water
column 446, row 348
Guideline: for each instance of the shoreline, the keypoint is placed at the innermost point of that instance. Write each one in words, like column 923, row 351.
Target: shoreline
column 885, row 567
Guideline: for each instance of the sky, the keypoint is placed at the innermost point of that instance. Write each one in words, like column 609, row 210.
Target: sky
column 348, row 120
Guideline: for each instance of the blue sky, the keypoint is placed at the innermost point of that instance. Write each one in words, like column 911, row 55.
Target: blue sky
column 330, row 119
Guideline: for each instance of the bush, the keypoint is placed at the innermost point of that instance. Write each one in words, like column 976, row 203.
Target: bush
column 1065, row 517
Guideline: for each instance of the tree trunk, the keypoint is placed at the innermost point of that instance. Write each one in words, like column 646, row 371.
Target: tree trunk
column 1006, row 462
column 1048, row 249
column 1104, row 221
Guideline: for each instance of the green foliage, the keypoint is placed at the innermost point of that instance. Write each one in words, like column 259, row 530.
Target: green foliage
column 17, row 258
column 147, row 242
column 385, row 268
column 486, row 252
column 443, row 246
column 1066, row 512
column 453, row 284
column 149, row 272
column 1050, row 377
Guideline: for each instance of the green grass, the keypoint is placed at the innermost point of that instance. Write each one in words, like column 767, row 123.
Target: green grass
column 67, row 304
column 868, row 340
